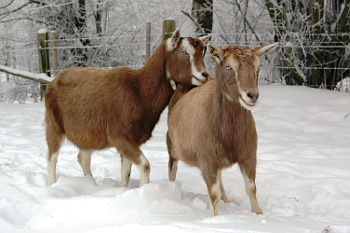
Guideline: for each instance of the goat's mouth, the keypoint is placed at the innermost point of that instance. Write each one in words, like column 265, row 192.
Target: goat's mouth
column 201, row 81
column 245, row 104
column 198, row 82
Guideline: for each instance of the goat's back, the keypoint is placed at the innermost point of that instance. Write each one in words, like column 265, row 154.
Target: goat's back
column 89, row 104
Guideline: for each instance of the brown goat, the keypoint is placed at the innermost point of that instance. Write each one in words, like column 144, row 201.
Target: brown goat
column 211, row 127
column 119, row 107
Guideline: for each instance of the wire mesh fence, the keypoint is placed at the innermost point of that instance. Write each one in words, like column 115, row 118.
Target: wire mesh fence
column 106, row 51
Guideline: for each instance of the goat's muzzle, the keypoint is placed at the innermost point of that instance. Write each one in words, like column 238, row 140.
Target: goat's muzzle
column 250, row 99
column 199, row 81
column 253, row 95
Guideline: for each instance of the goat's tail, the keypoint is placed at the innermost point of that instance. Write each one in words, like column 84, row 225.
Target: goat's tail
column 52, row 122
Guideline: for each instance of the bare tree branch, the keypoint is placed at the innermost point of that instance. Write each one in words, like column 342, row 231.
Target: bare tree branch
column 19, row 8
column 7, row 5
column 244, row 14
column 194, row 21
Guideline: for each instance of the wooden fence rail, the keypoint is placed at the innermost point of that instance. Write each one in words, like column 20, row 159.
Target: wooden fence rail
column 41, row 78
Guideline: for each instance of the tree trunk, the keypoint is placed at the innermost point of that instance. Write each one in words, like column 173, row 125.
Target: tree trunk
column 317, row 73
column 202, row 11
column 80, row 24
column 98, row 17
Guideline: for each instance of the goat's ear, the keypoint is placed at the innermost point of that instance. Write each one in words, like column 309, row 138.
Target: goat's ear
column 175, row 38
column 265, row 49
column 205, row 39
column 215, row 52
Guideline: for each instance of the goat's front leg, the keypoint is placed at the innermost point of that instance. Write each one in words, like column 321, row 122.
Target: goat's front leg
column 213, row 181
column 248, row 172
column 131, row 153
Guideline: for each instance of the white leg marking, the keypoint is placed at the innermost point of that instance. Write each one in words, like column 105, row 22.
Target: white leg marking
column 125, row 172
column 144, row 169
column 173, row 171
column 84, row 159
column 251, row 191
column 51, row 167
column 215, row 196
column 222, row 189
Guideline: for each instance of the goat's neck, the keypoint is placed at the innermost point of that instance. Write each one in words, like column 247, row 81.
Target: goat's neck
column 229, row 124
column 153, row 80
column 228, row 112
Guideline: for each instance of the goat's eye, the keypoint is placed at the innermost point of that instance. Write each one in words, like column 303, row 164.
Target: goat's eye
column 183, row 53
column 227, row 67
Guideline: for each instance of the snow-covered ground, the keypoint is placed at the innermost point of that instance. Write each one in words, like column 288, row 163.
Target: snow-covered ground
column 303, row 176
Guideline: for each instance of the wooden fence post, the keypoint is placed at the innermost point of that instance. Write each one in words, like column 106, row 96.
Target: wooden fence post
column 148, row 41
column 44, row 59
column 54, row 52
column 169, row 26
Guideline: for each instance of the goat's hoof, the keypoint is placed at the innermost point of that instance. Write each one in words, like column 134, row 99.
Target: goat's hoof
column 259, row 212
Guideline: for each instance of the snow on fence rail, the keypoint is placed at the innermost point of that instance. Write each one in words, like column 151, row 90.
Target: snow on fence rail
column 41, row 78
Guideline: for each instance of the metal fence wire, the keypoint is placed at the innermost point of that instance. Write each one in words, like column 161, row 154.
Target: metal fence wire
column 106, row 51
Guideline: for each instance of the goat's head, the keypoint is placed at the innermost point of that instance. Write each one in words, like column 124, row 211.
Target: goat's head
column 185, row 61
column 237, row 72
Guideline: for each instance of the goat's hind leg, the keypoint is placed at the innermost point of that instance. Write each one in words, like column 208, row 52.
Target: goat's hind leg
column 172, row 165
column 248, row 172
column 172, row 168
column 125, row 171
column 84, row 159
column 51, row 159
column 54, row 139
column 222, row 189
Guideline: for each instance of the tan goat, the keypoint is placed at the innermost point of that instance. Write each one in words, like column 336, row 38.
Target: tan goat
column 211, row 127
column 100, row 108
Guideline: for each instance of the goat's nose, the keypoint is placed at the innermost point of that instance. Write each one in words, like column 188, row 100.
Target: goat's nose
column 253, row 95
column 205, row 74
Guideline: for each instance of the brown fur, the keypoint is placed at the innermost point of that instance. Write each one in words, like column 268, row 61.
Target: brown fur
column 100, row 108
column 208, row 127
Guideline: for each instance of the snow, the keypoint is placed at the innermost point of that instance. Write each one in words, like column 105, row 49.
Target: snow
column 303, row 176
column 29, row 75
column 344, row 85
column 42, row 31
column 188, row 29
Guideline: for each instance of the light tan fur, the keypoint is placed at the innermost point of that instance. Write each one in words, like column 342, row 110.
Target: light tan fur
column 211, row 127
